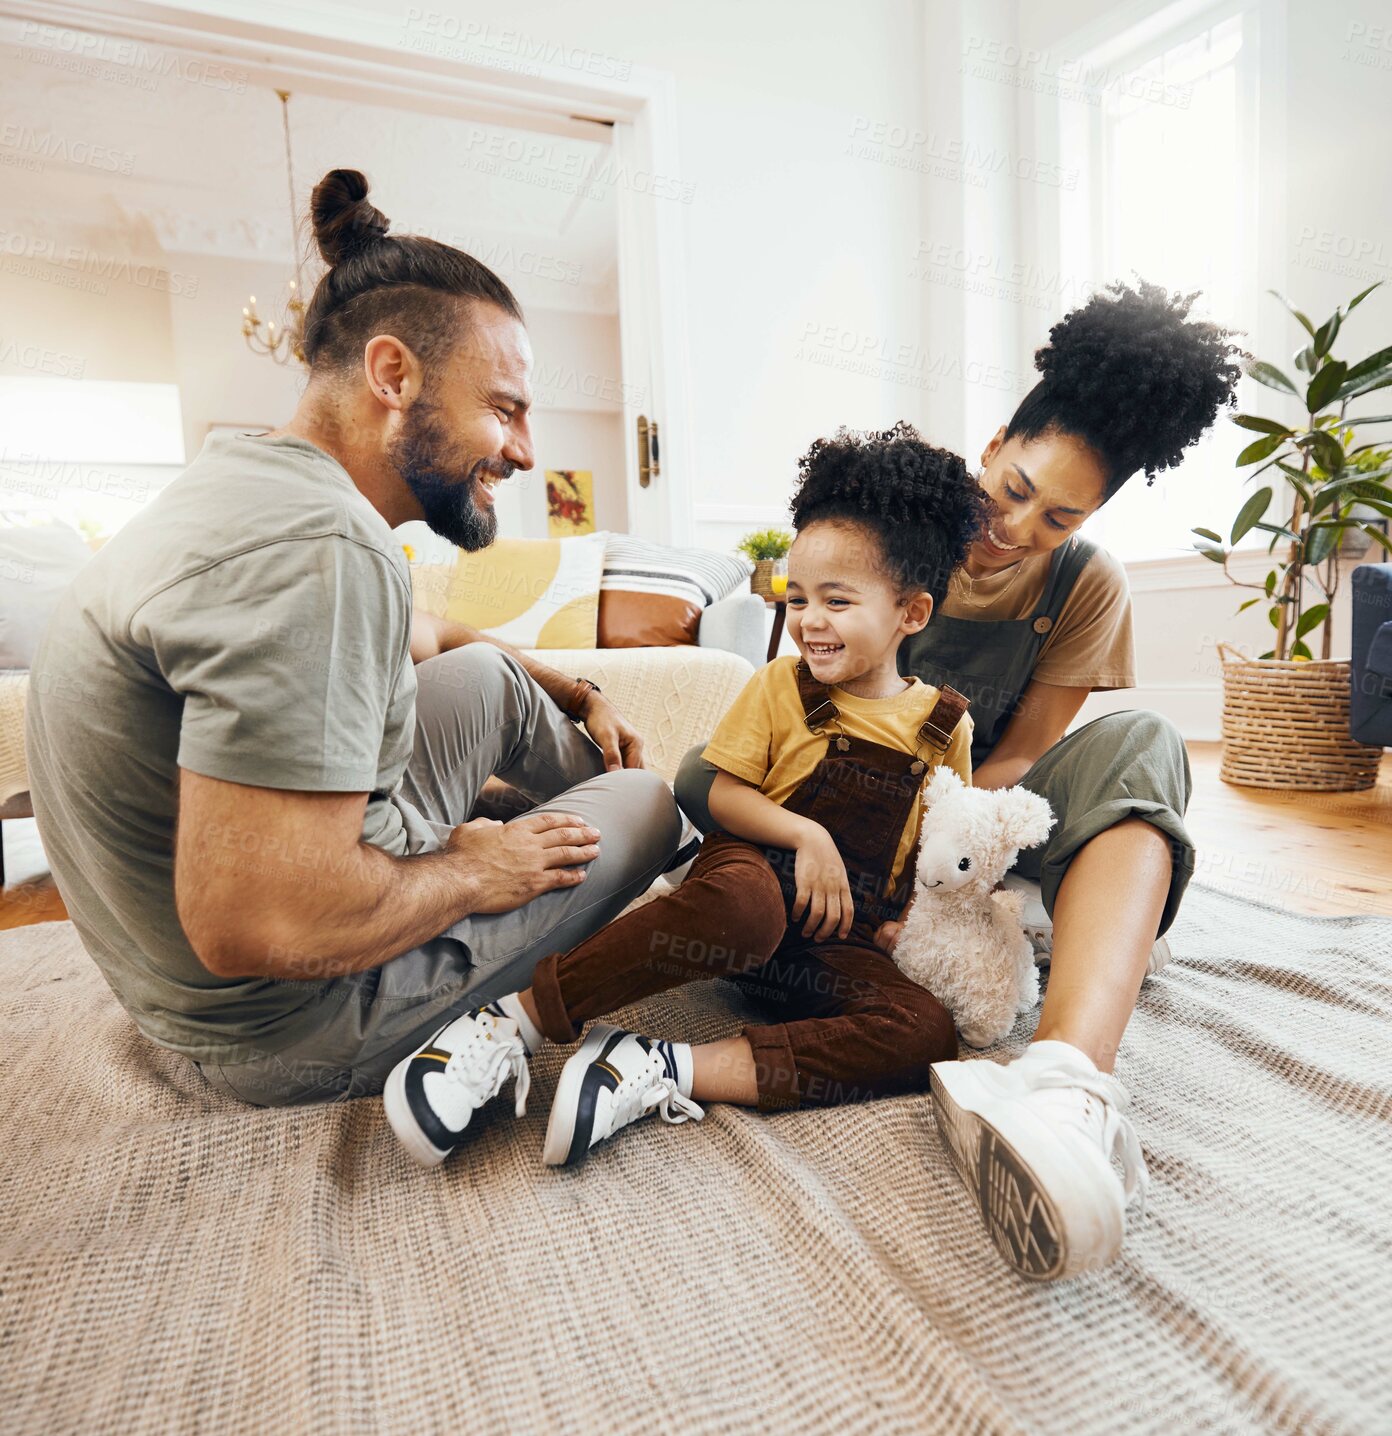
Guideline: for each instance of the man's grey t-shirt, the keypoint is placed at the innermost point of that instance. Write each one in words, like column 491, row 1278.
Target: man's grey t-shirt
column 253, row 624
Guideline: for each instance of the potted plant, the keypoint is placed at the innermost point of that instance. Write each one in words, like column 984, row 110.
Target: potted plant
column 1285, row 713
column 763, row 548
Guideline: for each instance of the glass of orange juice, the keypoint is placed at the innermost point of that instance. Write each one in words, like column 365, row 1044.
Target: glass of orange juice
column 778, row 579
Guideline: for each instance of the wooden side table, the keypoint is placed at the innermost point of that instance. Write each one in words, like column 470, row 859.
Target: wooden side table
column 779, row 603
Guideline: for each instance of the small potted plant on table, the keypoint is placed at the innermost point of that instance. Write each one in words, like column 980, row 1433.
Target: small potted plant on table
column 1286, row 713
column 764, row 547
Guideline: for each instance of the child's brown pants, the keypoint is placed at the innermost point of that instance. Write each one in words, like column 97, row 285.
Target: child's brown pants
column 851, row 1026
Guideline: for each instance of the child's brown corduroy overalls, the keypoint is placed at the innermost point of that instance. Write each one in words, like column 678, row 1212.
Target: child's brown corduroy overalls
column 850, row 1025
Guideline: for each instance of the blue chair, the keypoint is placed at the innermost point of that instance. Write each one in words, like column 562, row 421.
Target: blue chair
column 1370, row 699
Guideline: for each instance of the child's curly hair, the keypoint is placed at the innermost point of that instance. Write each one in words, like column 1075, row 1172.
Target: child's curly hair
column 1133, row 377
column 920, row 502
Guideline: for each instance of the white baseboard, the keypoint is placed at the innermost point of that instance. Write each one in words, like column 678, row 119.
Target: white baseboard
column 1194, row 708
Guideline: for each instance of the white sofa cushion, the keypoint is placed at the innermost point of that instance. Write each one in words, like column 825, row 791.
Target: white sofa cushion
column 673, row 696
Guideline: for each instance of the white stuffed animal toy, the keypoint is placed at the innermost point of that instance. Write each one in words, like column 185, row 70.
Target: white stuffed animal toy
column 961, row 940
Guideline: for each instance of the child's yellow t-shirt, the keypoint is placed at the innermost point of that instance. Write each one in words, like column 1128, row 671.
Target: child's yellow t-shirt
column 764, row 738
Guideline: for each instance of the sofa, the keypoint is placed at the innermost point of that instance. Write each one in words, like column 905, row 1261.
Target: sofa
column 1370, row 697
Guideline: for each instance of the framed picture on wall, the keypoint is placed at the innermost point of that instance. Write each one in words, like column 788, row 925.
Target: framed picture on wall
column 569, row 502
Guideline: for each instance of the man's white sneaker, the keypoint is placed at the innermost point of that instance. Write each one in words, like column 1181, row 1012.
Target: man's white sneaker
column 688, row 845
column 431, row 1095
column 1033, row 1142
column 1039, row 927
column 614, row 1078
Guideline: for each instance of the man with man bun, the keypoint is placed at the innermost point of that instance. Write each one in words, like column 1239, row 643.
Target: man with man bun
column 253, row 763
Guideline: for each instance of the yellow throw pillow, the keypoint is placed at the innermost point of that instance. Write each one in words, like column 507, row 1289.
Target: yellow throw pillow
column 534, row 593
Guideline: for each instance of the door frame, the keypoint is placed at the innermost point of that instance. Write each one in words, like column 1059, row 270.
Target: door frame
column 362, row 56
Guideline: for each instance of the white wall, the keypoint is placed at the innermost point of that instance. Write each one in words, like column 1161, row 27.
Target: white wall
column 795, row 242
column 221, row 381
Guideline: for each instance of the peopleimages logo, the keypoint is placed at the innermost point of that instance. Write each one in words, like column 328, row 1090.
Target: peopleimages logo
column 516, row 44
column 927, row 152
column 82, row 260
column 40, row 359
column 52, row 478
column 998, row 276
column 152, row 65
column 857, row 351
column 504, row 257
column 986, row 58
column 537, row 161
column 44, row 145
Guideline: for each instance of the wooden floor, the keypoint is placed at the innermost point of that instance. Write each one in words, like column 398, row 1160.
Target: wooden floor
column 1314, row 852
column 1324, row 853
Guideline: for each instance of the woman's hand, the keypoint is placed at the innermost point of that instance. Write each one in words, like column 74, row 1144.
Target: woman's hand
column 823, row 890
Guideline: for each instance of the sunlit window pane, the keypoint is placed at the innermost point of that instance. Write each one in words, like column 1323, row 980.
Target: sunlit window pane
column 84, row 421
column 1174, row 209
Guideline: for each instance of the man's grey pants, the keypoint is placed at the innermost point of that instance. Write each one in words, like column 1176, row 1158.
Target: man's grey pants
column 478, row 713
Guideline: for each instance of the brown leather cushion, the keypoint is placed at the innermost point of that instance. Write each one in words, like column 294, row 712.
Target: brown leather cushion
column 646, row 620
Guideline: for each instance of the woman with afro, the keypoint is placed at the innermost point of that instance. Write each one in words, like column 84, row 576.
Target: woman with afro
column 1034, row 620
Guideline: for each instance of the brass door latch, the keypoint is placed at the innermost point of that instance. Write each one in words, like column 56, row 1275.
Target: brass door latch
column 649, row 456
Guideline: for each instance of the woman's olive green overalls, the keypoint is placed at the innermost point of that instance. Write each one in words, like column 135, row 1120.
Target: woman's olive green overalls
column 1128, row 764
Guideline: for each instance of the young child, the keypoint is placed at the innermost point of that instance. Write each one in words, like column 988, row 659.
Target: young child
column 821, row 761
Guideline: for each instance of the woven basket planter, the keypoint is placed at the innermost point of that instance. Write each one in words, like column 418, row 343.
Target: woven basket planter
column 1286, row 725
column 761, row 580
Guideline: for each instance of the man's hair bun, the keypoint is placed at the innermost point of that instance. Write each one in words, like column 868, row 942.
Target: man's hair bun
column 418, row 290
column 344, row 220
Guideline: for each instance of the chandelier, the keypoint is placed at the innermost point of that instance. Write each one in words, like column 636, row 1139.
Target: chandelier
column 262, row 336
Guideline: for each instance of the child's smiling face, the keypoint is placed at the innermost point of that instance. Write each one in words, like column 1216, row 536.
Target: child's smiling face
column 845, row 614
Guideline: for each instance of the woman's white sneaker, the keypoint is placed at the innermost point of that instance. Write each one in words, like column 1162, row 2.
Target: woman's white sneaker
column 614, row 1078
column 431, row 1095
column 1033, row 1142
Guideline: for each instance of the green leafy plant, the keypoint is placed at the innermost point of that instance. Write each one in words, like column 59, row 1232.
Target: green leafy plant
column 765, row 543
column 1332, row 484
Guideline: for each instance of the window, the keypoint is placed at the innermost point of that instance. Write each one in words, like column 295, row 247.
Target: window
column 1171, row 193
column 90, row 421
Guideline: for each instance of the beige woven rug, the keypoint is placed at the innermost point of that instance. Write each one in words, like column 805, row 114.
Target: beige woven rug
column 173, row 1261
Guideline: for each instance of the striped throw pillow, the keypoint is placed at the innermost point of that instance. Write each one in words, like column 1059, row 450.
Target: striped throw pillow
column 653, row 595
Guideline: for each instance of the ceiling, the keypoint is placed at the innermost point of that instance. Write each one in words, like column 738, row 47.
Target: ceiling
column 141, row 155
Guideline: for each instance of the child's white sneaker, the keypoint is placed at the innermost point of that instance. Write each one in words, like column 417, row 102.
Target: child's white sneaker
column 431, row 1095
column 612, row 1079
column 1033, row 1142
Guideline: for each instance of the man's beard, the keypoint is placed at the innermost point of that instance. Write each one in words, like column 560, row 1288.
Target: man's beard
column 445, row 493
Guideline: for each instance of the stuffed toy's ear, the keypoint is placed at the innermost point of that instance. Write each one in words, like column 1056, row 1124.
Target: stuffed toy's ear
column 943, row 782
column 1025, row 818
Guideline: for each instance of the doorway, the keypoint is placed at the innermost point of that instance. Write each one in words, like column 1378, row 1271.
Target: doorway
column 146, row 201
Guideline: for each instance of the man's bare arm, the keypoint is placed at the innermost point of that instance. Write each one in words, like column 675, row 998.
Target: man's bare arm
column 275, row 883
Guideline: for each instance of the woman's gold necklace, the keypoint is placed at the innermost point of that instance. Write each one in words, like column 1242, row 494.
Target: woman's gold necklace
column 966, row 585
